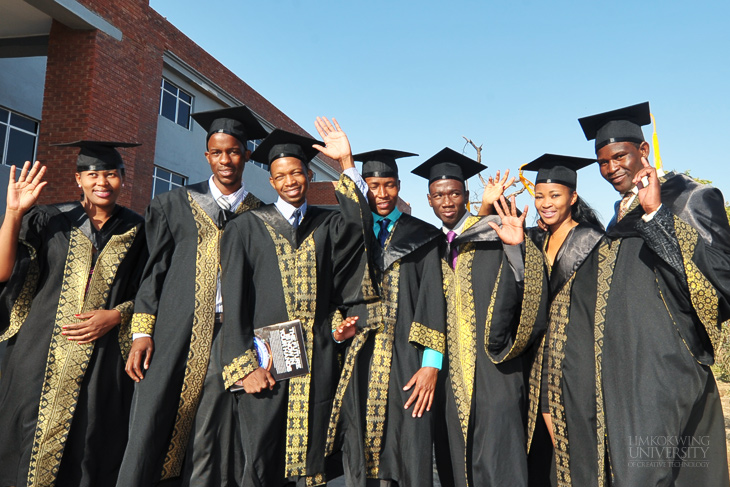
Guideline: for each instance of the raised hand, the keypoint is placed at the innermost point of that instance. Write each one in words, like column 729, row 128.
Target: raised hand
column 512, row 231
column 647, row 181
column 337, row 146
column 23, row 193
column 493, row 190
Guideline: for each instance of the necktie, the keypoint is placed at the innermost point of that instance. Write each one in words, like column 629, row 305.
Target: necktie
column 296, row 215
column 623, row 206
column 224, row 214
column 383, row 236
column 453, row 253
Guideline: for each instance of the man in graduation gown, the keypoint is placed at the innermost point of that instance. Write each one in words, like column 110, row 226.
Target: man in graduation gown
column 663, row 285
column 493, row 296
column 391, row 366
column 281, row 262
column 65, row 314
column 182, row 424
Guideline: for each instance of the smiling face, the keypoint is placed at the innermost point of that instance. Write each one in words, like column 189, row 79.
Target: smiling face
column 101, row 188
column 227, row 157
column 382, row 194
column 553, row 202
column 448, row 199
column 289, row 179
column 620, row 161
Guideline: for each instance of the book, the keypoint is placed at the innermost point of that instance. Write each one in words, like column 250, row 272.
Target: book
column 280, row 349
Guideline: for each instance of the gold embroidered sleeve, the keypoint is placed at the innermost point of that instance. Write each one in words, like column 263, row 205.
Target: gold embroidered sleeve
column 426, row 337
column 21, row 305
column 125, row 335
column 531, row 300
column 239, row 368
column 703, row 294
column 143, row 323
column 347, row 188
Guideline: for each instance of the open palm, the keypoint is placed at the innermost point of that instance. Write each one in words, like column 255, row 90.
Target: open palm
column 512, row 231
column 337, row 145
column 24, row 193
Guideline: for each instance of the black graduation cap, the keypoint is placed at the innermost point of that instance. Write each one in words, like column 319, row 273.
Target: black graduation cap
column 381, row 163
column 448, row 164
column 239, row 122
column 622, row 125
column 553, row 168
column 98, row 155
column 281, row 143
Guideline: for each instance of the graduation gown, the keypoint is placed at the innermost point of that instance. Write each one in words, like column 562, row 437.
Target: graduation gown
column 661, row 296
column 492, row 319
column 273, row 273
column 182, row 423
column 562, row 378
column 64, row 405
column 381, row 439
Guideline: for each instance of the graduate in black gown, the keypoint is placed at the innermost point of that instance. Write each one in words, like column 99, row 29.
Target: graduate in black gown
column 285, row 261
column 658, row 303
column 562, row 377
column 69, row 272
column 493, row 297
column 391, row 367
column 182, row 426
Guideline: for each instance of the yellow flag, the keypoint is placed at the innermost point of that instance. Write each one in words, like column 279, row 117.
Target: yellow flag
column 655, row 143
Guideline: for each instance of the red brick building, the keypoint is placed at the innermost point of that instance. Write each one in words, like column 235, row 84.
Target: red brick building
column 117, row 70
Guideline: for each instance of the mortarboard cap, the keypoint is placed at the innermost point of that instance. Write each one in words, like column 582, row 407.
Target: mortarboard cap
column 552, row 168
column 281, row 143
column 238, row 122
column 448, row 164
column 98, row 155
column 622, row 125
column 381, row 163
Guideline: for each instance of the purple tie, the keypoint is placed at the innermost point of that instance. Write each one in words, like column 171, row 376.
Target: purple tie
column 454, row 253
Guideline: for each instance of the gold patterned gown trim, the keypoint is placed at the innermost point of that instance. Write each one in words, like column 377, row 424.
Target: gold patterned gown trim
column 558, row 318
column 531, row 298
column 427, row 337
column 21, row 305
column 606, row 262
column 207, row 262
column 239, row 368
column 143, row 323
column 124, row 334
column 534, row 397
column 298, row 270
column 385, row 312
column 703, row 294
column 68, row 360
column 461, row 332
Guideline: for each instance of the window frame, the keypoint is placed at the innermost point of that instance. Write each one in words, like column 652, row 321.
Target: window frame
column 178, row 101
column 5, row 143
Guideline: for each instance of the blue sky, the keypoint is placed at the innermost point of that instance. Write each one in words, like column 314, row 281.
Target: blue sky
column 513, row 75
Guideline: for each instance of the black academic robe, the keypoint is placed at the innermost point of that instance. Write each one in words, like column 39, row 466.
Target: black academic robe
column 273, row 273
column 563, row 373
column 182, row 424
column 492, row 319
column 661, row 296
column 64, row 405
column 380, row 439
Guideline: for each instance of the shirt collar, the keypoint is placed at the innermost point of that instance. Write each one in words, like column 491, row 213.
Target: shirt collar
column 235, row 198
column 392, row 216
column 287, row 209
column 459, row 227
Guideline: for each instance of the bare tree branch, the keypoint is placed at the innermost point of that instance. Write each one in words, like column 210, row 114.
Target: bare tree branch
column 478, row 149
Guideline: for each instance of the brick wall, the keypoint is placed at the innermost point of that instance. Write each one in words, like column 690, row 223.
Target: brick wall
column 100, row 88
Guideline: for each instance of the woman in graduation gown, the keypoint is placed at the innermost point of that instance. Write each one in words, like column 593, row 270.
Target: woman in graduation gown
column 562, row 424
column 69, row 273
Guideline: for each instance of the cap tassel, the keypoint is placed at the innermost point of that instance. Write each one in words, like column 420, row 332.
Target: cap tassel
column 657, row 156
column 529, row 186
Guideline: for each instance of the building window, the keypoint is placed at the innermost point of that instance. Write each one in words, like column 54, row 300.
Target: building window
column 18, row 138
column 252, row 145
column 164, row 180
column 175, row 104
